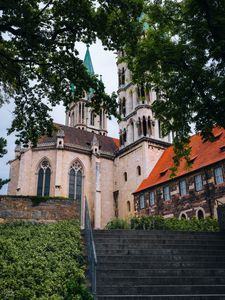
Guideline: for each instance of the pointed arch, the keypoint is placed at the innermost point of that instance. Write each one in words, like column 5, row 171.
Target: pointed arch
column 76, row 175
column 44, row 177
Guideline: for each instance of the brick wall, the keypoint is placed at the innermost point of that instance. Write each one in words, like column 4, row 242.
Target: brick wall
column 37, row 209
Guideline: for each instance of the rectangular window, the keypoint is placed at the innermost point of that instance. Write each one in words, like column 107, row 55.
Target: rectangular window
column 152, row 198
column 183, row 187
column 198, row 183
column 142, row 202
column 219, row 175
column 166, row 193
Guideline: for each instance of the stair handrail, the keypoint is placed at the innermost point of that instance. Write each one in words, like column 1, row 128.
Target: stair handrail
column 91, row 252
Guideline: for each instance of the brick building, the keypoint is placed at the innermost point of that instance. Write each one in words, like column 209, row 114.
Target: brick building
column 192, row 192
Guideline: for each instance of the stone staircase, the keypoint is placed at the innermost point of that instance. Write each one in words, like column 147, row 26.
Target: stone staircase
column 159, row 265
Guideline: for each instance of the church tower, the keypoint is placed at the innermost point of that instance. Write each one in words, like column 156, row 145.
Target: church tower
column 141, row 141
column 80, row 115
column 137, row 119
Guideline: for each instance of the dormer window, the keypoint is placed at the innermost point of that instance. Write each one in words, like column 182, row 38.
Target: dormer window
column 163, row 172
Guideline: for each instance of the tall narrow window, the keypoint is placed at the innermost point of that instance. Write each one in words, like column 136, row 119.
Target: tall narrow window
column 139, row 170
column 198, row 183
column 144, row 126
column 160, row 130
column 183, row 187
column 218, row 175
column 92, row 119
column 125, row 176
column 44, row 179
column 142, row 202
column 123, row 76
column 75, row 181
column 166, row 193
column 152, row 198
column 124, row 107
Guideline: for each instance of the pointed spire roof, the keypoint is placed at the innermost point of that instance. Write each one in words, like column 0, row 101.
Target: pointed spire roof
column 88, row 62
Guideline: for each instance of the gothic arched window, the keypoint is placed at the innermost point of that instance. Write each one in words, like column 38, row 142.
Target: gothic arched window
column 44, row 179
column 75, row 181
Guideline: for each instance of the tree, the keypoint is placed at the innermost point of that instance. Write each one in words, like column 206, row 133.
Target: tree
column 39, row 60
column 2, row 152
column 183, row 51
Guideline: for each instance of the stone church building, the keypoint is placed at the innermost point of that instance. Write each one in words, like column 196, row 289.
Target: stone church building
column 80, row 160
column 115, row 175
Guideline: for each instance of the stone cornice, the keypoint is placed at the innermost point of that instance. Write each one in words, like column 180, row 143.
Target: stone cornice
column 151, row 141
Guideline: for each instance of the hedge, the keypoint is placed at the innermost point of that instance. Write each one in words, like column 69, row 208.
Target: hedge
column 42, row 261
column 160, row 223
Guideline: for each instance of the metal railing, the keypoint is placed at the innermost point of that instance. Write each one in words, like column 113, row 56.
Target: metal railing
column 90, row 245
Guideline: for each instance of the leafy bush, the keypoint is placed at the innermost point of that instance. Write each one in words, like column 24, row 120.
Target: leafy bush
column 39, row 261
column 118, row 224
column 159, row 223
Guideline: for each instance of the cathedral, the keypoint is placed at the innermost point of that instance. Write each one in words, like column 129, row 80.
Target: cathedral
column 81, row 162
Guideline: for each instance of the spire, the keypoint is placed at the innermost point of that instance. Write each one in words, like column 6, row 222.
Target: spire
column 88, row 62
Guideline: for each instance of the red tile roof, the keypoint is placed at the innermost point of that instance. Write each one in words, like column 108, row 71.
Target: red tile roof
column 82, row 138
column 203, row 154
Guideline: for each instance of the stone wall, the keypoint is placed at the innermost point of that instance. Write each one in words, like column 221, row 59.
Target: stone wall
column 37, row 209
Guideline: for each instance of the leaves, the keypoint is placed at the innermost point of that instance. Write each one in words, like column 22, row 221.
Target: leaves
column 40, row 261
column 39, row 59
column 184, row 62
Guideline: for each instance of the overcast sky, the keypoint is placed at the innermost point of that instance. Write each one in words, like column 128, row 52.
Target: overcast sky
column 104, row 63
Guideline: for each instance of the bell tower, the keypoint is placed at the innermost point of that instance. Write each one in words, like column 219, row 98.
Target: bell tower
column 80, row 115
column 137, row 119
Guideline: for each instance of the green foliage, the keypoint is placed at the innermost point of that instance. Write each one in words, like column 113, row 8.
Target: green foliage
column 118, row 224
column 174, row 224
column 160, row 223
column 3, row 151
column 39, row 261
column 39, row 57
column 183, row 54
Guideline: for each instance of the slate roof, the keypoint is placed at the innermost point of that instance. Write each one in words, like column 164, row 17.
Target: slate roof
column 82, row 138
column 203, row 154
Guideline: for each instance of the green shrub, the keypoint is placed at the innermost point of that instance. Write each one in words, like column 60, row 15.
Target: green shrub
column 40, row 261
column 174, row 224
column 159, row 223
column 118, row 224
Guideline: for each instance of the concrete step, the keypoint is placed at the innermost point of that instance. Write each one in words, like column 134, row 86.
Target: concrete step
column 155, row 241
column 123, row 281
column 163, row 297
column 164, row 252
column 156, row 233
column 166, row 272
column 160, row 265
column 151, row 246
column 160, row 258
column 161, row 290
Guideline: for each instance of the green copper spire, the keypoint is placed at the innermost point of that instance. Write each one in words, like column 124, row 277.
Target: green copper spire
column 88, row 62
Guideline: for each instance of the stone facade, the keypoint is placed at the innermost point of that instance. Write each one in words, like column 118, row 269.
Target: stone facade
column 36, row 209
column 110, row 170
column 194, row 203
